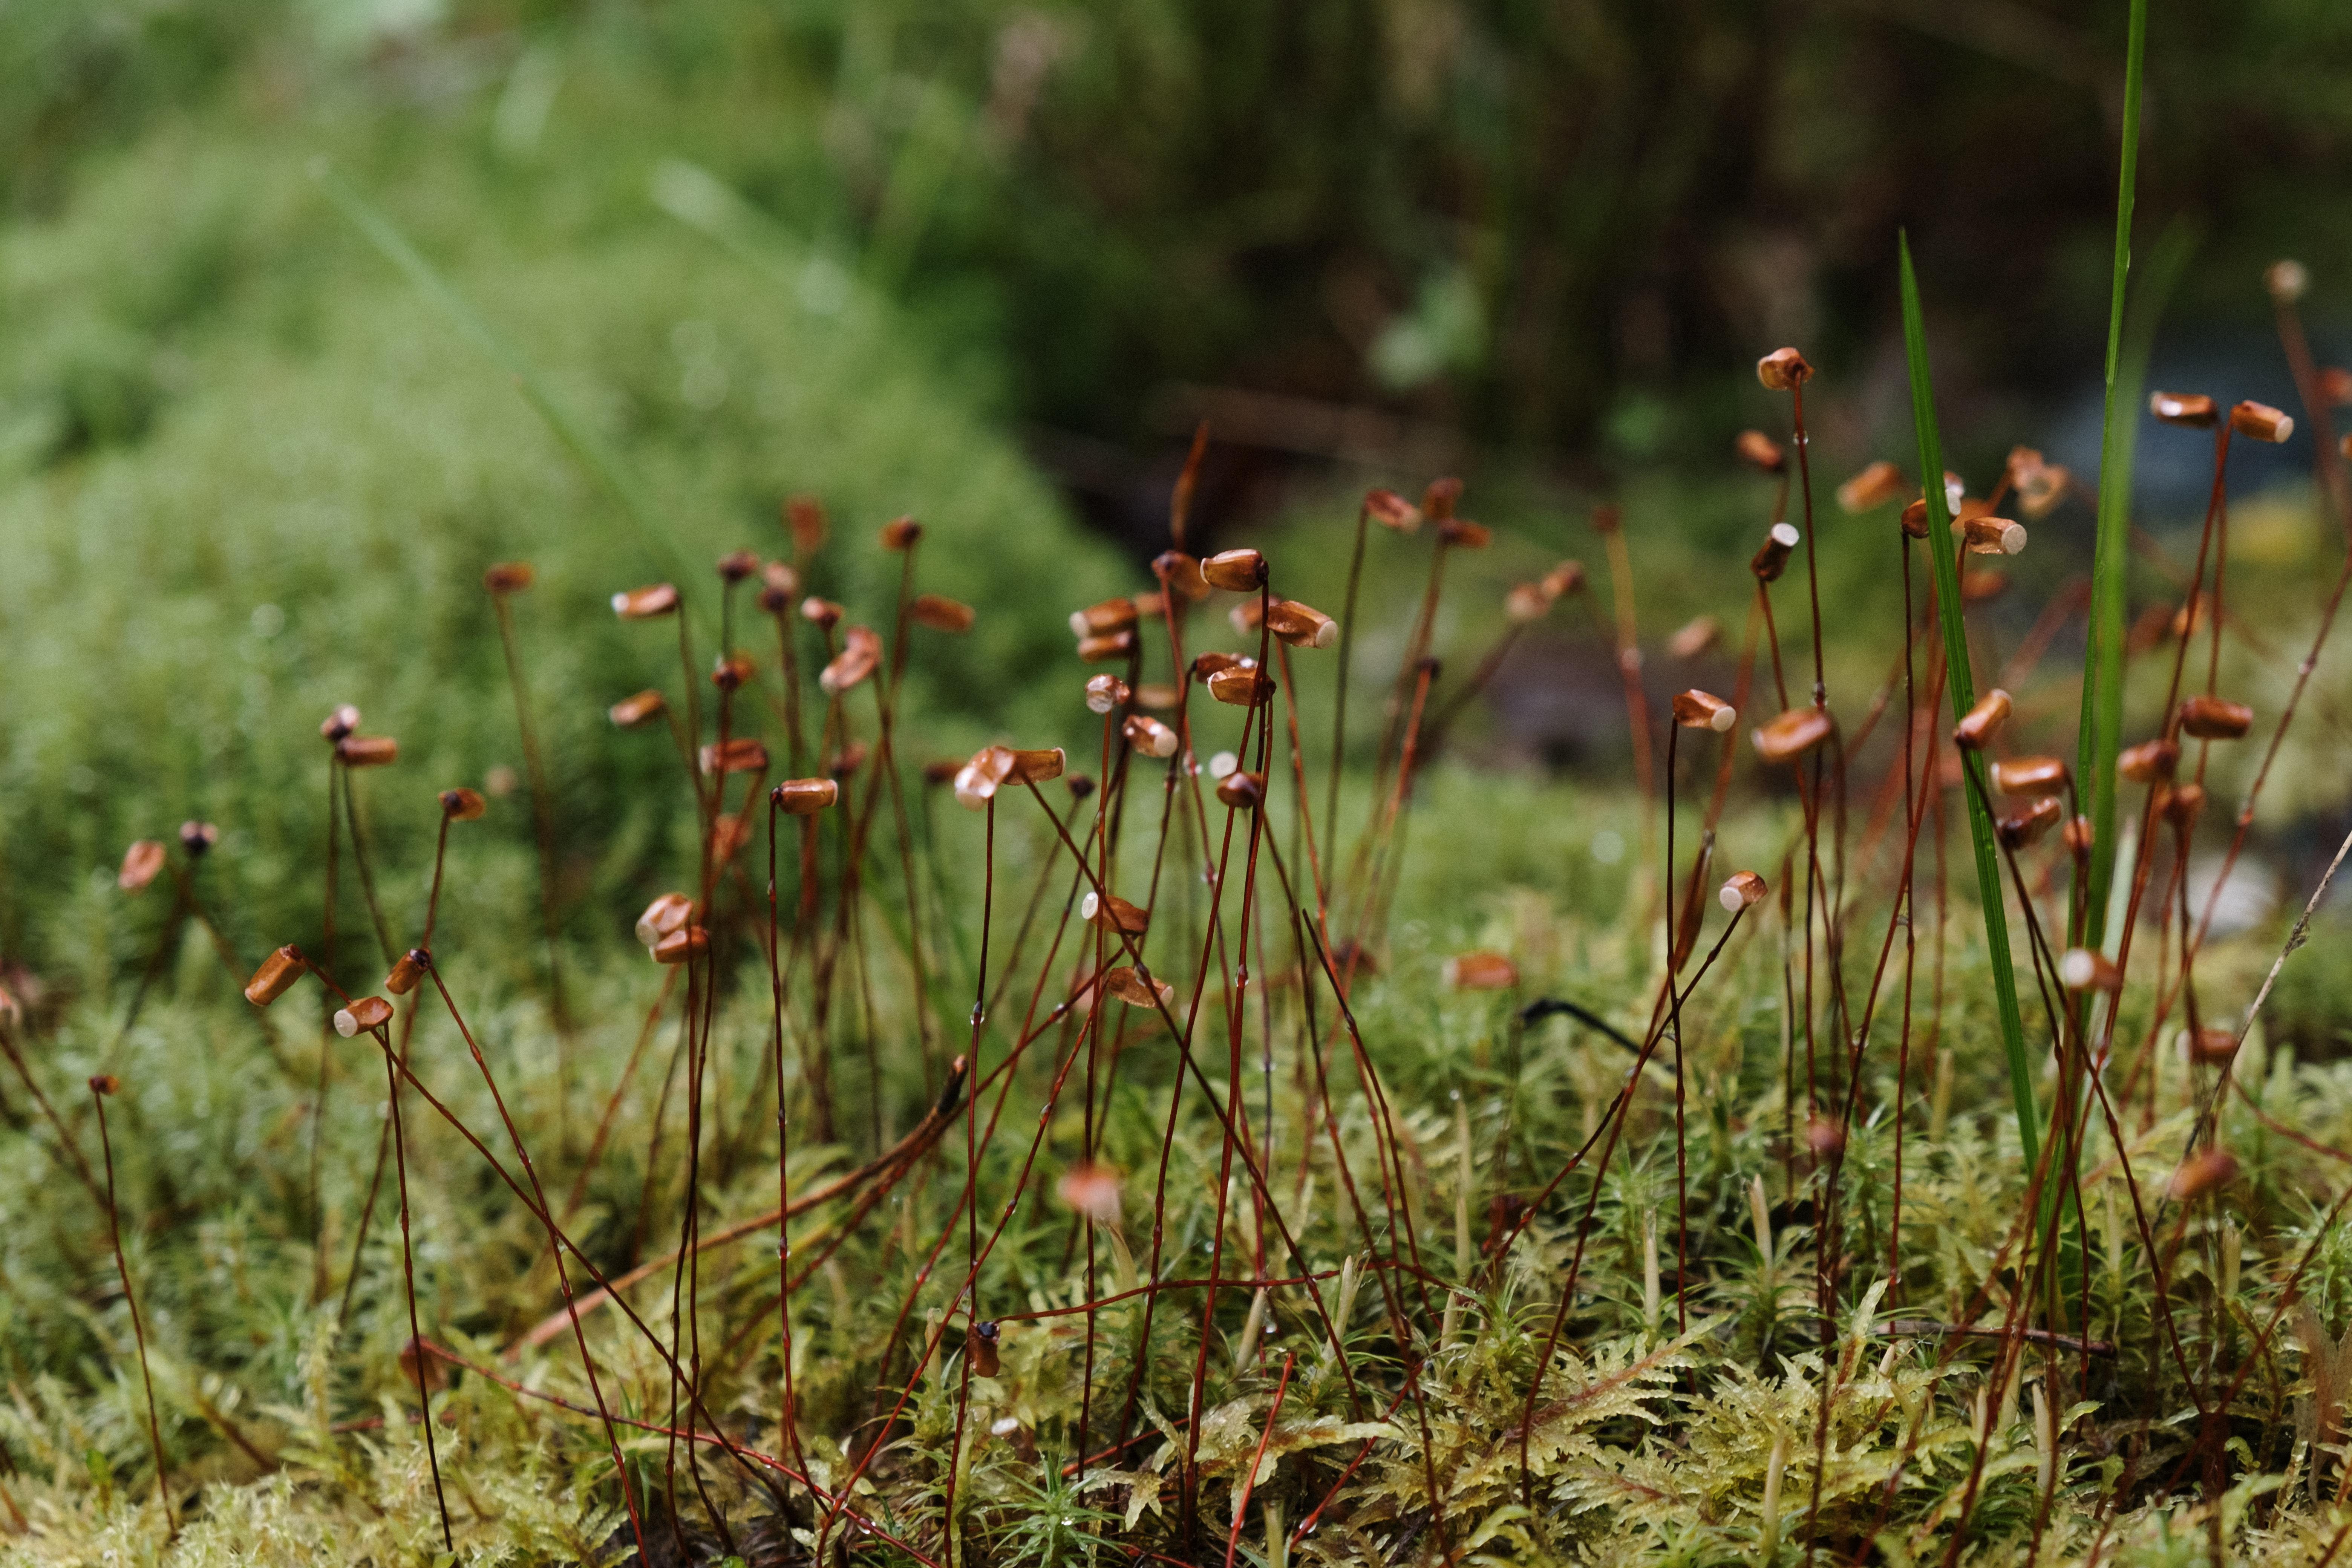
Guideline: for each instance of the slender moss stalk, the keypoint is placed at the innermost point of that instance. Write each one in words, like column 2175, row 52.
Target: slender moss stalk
column 1962, row 685
column 2103, row 671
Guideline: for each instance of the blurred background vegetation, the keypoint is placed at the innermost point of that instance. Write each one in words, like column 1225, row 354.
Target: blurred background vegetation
column 1555, row 230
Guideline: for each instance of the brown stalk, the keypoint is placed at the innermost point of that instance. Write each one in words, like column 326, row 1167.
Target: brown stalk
column 101, row 1088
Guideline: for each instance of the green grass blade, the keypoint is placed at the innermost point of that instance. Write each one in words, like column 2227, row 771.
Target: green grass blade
column 2101, row 732
column 1963, row 689
column 589, row 449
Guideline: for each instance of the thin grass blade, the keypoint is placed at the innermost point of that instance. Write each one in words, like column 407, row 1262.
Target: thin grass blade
column 2101, row 732
column 1962, row 686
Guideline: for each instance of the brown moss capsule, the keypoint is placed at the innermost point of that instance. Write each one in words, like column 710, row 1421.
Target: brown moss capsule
column 1439, row 499
column 2084, row 969
column 463, row 805
column 407, row 973
column 2028, row 776
column 140, row 863
column 1824, row 1137
column 2286, row 280
column 977, row 780
column 1694, row 637
column 1137, row 989
column 1241, row 791
column 1479, row 971
column 1301, row 625
column 2261, row 422
column 778, row 583
column 2040, row 486
column 666, row 914
column 2208, row 1169
column 367, row 1013
column 340, row 723
column 981, row 1345
column 1151, row 606
column 805, row 516
column 1791, row 735
column 1080, row 785
column 1977, row 586
column 1205, row 664
column 678, row 946
column 1106, row 646
column 645, row 603
column 1092, row 1189
column 275, row 976
column 741, row 755
column 1181, row 575
column 1915, row 519
column 1607, row 520
column 1771, row 558
column 2193, row 409
column 1993, row 536
column 1784, row 369
column 643, row 709
column 1040, row 766
column 1759, row 450
column 1874, row 487
column 860, row 655
column 1241, row 688
column 105, row 1083
column 1983, row 721
column 1461, row 533
column 2022, row 828
column 2336, row 385
column 1113, row 913
column 1110, row 616
column 367, row 751
column 1391, row 510
column 2080, row 835
column 2213, row 1047
column 1150, row 736
column 737, row 565
column 1527, row 602
column 420, row 1368
column 1696, row 709
column 847, row 760
column 941, row 614
column 197, row 837
column 1741, row 891
column 823, row 613
column 509, row 577
column 732, row 672
column 900, row 535
column 2214, row 719
column 1104, row 692
column 2150, row 762
column 1564, row 579
column 805, row 797
column 2180, row 804
column 1241, row 571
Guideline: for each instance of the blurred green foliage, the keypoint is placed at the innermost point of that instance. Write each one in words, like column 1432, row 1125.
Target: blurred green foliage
column 1527, row 219
column 248, row 472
